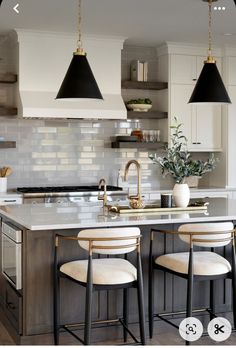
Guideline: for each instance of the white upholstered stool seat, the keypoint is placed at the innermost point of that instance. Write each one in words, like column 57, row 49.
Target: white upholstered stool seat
column 205, row 263
column 105, row 271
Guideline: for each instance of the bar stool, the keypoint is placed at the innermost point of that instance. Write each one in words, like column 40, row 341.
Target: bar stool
column 195, row 265
column 102, row 274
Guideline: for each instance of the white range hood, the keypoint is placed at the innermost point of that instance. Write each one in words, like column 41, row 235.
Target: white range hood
column 43, row 59
column 44, row 105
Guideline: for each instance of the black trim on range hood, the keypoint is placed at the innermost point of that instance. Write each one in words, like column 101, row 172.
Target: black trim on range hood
column 1, row 2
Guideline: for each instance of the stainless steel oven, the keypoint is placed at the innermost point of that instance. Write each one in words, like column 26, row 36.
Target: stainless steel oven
column 11, row 254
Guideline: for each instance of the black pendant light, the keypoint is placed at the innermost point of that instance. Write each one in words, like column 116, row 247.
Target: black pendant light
column 210, row 87
column 79, row 81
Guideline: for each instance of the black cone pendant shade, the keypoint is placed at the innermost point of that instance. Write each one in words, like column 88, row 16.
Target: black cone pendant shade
column 210, row 87
column 79, row 81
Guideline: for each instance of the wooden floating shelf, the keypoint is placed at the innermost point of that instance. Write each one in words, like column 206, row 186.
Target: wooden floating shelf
column 7, row 144
column 144, row 85
column 7, row 111
column 146, row 115
column 137, row 145
column 8, row 78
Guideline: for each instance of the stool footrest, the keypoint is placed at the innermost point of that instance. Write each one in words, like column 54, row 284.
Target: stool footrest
column 74, row 335
column 68, row 327
column 93, row 323
column 129, row 332
column 167, row 321
column 182, row 312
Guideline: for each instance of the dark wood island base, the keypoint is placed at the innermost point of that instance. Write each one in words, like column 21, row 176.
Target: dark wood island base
column 28, row 313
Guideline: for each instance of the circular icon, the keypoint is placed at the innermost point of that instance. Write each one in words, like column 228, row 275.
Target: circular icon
column 190, row 329
column 219, row 329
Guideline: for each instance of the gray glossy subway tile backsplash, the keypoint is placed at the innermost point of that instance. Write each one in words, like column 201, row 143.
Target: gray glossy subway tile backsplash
column 72, row 153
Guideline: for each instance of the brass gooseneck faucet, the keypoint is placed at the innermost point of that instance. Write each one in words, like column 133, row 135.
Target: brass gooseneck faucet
column 103, row 197
column 135, row 201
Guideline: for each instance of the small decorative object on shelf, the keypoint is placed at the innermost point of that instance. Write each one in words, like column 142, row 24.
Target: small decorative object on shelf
column 138, row 70
column 179, row 164
column 138, row 133
column 151, row 136
column 139, row 105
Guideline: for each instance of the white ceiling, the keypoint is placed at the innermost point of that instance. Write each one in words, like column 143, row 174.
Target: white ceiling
column 142, row 22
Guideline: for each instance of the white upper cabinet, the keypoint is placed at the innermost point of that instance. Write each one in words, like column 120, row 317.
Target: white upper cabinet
column 187, row 68
column 231, row 138
column 180, row 108
column 201, row 123
column 206, row 128
column 232, row 71
column 183, row 69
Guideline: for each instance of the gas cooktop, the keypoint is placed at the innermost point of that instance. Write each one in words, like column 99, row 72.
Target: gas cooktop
column 51, row 189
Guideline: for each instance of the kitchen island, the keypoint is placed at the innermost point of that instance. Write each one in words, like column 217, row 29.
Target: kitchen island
column 28, row 312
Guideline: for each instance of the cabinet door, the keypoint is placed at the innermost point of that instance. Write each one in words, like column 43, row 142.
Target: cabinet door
column 232, row 70
column 201, row 123
column 206, row 128
column 183, row 69
column 231, row 139
column 186, row 68
column 2, row 279
column 180, row 108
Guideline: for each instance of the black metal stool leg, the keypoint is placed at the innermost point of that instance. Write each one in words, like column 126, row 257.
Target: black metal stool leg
column 151, row 301
column 150, row 290
column 212, row 299
column 56, row 310
column 56, row 297
column 88, row 305
column 234, row 283
column 190, row 288
column 141, row 300
column 125, row 312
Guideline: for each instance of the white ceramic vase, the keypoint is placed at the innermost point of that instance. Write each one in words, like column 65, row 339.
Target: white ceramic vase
column 3, row 184
column 181, row 195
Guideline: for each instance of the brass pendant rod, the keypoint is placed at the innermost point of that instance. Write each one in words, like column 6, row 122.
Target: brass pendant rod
column 210, row 58
column 79, row 41
column 209, row 28
column 80, row 51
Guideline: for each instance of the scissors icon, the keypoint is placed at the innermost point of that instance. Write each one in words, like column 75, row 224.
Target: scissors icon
column 218, row 329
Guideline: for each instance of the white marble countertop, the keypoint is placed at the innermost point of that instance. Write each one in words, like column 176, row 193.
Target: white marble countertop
column 69, row 216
